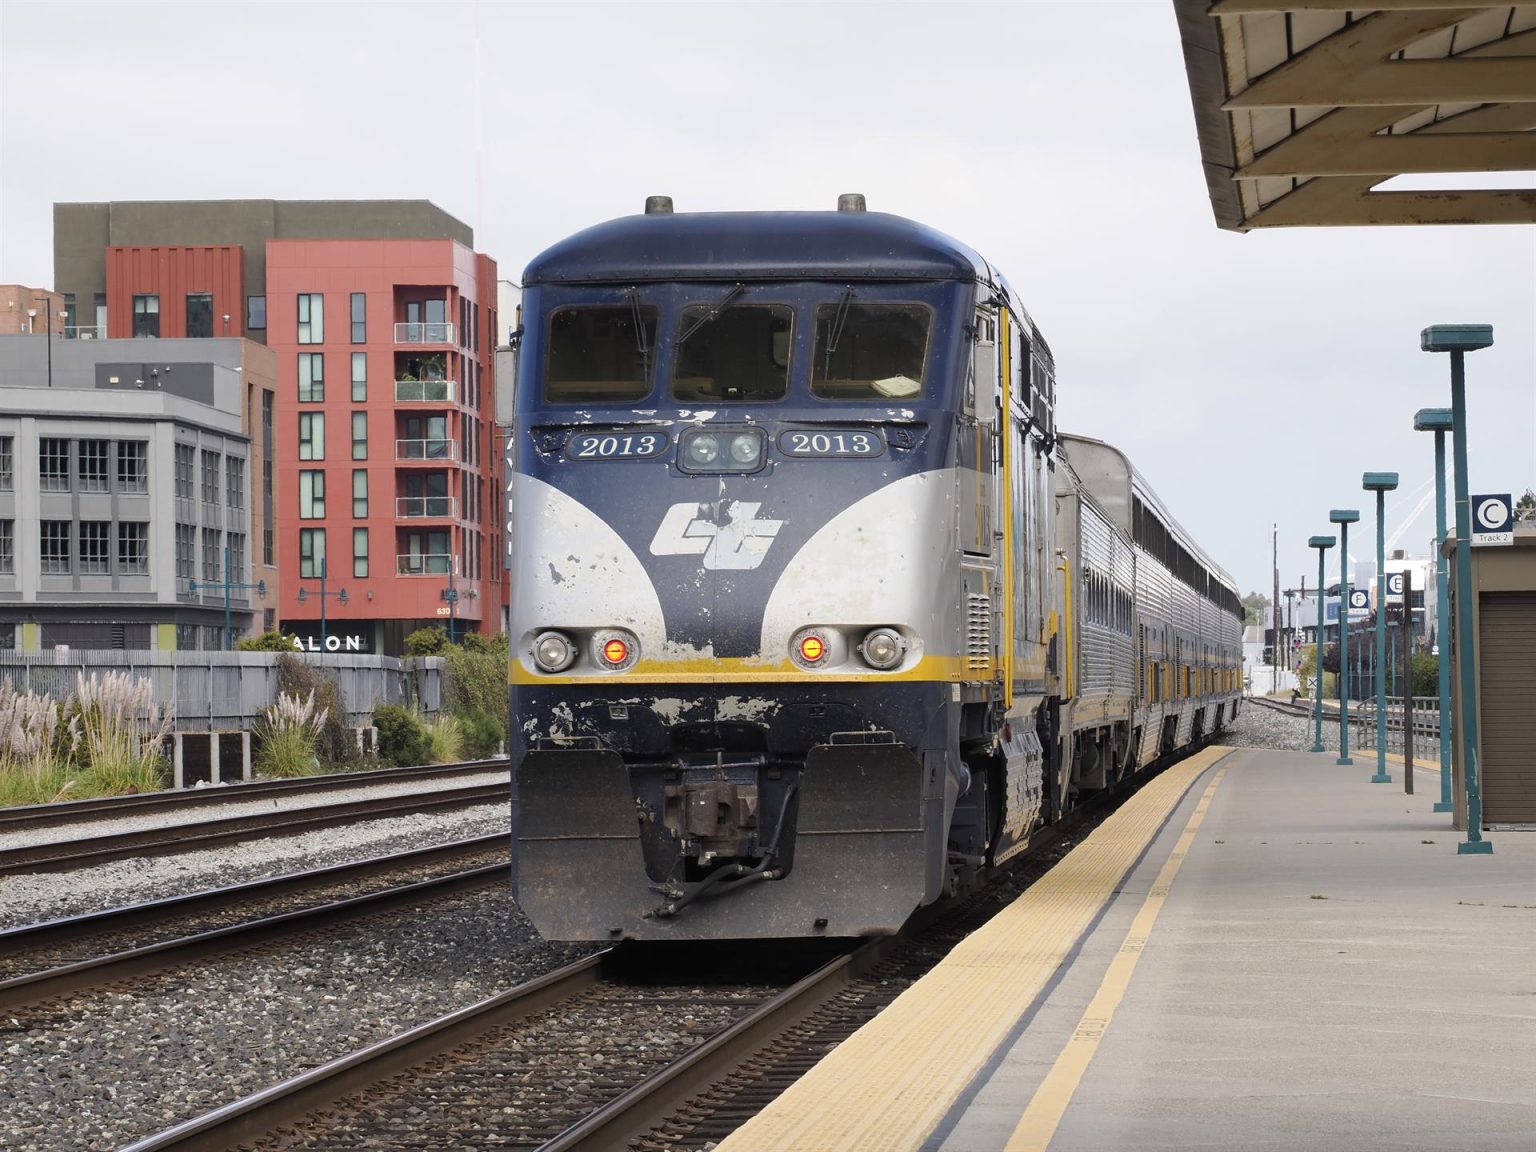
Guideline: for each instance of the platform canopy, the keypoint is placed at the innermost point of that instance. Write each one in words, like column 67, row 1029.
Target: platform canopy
column 1305, row 107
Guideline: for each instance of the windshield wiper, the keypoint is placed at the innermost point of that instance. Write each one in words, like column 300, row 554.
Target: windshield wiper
column 642, row 345
column 835, row 332
column 712, row 314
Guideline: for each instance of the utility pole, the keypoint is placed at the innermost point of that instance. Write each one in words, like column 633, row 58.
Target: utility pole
column 1274, row 611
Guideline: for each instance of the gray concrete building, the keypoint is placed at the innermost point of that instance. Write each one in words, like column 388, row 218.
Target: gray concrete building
column 127, row 469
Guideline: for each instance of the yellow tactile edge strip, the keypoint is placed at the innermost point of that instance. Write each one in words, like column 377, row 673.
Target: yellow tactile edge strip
column 1040, row 1120
column 887, row 1086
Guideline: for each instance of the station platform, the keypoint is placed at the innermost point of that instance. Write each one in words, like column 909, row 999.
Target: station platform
column 1259, row 950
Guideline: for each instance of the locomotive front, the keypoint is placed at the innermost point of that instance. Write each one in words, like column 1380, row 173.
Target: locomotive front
column 737, row 505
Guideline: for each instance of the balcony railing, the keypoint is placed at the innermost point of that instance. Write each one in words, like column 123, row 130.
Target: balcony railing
column 424, row 564
column 412, row 333
column 439, row 449
column 426, row 508
column 86, row 332
column 425, row 391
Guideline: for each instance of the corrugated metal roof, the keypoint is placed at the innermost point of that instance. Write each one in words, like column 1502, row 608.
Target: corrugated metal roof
column 1305, row 107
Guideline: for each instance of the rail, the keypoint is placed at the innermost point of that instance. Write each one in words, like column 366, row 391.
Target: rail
column 426, row 391
column 440, row 448
column 426, row 508
column 413, row 332
column 425, row 564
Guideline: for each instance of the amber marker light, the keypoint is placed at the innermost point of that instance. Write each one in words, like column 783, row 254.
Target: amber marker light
column 812, row 649
column 615, row 651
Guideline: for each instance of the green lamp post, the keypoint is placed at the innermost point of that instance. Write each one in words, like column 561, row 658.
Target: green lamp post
column 1458, row 340
column 1438, row 421
column 1344, row 517
column 1322, row 544
column 1381, row 483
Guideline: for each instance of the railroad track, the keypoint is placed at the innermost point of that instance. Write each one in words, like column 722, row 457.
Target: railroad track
column 596, row 1056
column 1425, row 722
column 31, row 816
column 82, row 953
column 82, row 851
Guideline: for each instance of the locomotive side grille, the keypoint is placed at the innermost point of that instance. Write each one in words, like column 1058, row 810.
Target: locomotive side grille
column 978, row 632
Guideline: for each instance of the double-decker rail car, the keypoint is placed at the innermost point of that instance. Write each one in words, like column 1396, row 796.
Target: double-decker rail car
column 795, row 647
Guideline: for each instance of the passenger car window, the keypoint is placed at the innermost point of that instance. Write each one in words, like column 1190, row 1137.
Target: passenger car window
column 870, row 351
column 737, row 353
column 599, row 355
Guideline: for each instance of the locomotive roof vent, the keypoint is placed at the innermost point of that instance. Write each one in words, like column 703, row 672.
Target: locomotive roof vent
column 851, row 202
column 658, row 205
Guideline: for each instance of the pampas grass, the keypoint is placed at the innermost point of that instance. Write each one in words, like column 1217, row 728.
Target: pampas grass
column 286, row 734
column 445, row 739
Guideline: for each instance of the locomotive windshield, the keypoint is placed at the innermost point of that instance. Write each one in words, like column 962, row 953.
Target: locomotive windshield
column 738, row 352
column 869, row 351
column 600, row 354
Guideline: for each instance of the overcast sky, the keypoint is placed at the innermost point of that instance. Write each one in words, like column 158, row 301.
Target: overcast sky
column 1251, row 378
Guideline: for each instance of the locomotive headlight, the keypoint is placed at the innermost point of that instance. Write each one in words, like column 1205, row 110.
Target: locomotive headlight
column 553, row 652
column 615, row 650
column 703, row 450
column 883, row 648
column 745, row 449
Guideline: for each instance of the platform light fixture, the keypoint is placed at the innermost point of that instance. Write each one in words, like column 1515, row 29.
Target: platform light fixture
column 1438, row 421
column 1322, row 544
column 1381, row 483
column 1458, row 340
column 1344, row 517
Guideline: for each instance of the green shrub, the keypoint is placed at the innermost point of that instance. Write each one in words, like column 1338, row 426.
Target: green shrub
column 403, row 738
column 475, row 681
column 428, row 641
column 483, row 734
column 266, row 642
column 1426, row 674
column 37, row 782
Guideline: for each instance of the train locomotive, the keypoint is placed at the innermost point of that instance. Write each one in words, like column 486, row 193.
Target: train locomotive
column 815, row 616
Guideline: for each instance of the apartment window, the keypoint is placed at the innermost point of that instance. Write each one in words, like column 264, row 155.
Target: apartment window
column 93, row 546
column 54, row 540
column 186, row 552
column 311, row 435
column 7, row 547
column 360, row 493
column 234, row 482
column 359, row 551
column 269, row 619
column 311, row 318
column 213, row 562
column 311, row 552
column 99, row 304
column 53, row 464
column 199, row 314
column 359, row 376
column 268, row 544
column 237, row 555
column 146, row 315
column 185, row 455
column 133, row 465
column 210, row 477
column 311, row 495
column 92, row 465
column 133, row 548
column 7, row 477
column 359, row 435
column 359, row 318
column 256, row 313
column 311, row 376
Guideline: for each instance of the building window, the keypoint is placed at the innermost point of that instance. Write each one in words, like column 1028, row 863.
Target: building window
column 184, row 457
column 93, row 546
column 359, row 551
column 199, row 314
column 268, row 543
column 54, row 539
column 311, row 376
column 311, row 552
column 7, row 476
column 53, row 464
column 99, row 304
column 269, row 619
column 92, row 464
column 212, row 561
column 210, row 477
column 7, row 547
column 311, row 318
column 359, row 318
column 311, row 495
column 360, row 493
column 237, row 556
column 186, row 551
column 359, row 435
column 256, row 313
column 359, row 376
column 133, row 465
column 311, row 435
column 146, row 315
column 133, row 548
column 234, row 482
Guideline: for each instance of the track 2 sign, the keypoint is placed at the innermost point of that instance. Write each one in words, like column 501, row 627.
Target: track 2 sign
column 1493, row 519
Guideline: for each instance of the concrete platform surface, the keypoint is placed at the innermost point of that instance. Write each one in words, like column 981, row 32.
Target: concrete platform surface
column 1322, row 971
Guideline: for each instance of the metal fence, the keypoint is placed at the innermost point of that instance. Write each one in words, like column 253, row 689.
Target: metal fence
column 1426, row 726
column 226, row 691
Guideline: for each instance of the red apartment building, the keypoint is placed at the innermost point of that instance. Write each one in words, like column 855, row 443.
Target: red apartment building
column 387, row 485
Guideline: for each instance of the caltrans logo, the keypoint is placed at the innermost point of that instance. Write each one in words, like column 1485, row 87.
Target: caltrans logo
column 728, row 535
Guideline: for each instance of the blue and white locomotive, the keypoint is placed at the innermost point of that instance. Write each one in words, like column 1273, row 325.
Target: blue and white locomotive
column 814, row 615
